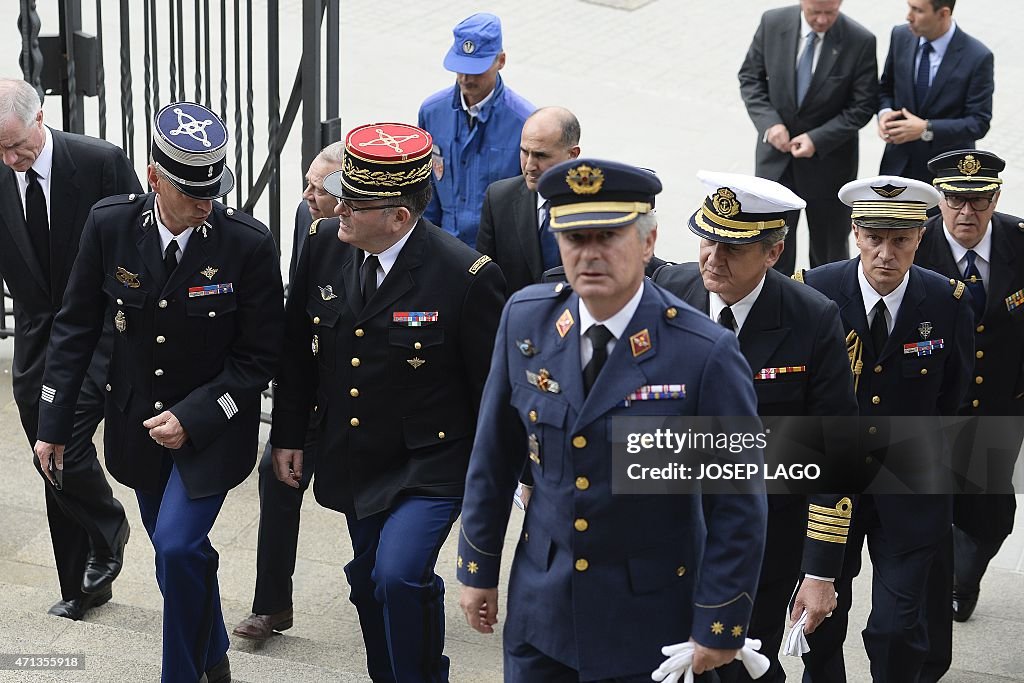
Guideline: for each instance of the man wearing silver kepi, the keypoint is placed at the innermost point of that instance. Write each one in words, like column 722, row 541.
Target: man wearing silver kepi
column 601, row 582
column 194, row 291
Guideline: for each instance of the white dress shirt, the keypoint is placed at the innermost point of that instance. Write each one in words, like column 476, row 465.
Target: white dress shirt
column 740, row 309
column 43, row 165
column 892, row 300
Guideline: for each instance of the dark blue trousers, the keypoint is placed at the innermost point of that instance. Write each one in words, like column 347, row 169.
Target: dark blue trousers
column 194, row 637
column 526, row 664
column 399, row 598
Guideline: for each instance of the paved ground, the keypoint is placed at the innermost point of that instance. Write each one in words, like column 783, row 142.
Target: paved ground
column 657, row 87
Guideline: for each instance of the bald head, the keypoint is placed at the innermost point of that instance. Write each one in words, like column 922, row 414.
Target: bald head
column 550, row 136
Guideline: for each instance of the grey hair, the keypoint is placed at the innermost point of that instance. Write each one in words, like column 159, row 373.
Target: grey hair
column 19, row 98
column 333, row 153
column 773, row 237
column 645, row 223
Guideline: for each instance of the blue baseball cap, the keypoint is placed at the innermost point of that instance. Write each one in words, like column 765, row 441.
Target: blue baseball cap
column 477, row 43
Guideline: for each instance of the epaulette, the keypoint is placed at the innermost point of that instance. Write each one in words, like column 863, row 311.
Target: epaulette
column 313, row 226
column 798, row 276
column 544, row 290
column 478, row 264
column 958, row 288
column 245, row 219
column 117, row 199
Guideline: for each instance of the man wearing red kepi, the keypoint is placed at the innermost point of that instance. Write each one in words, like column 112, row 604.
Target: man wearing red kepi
column 390, row 325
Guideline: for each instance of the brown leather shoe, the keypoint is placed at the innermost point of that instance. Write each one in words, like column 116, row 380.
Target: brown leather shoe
column 262, row 626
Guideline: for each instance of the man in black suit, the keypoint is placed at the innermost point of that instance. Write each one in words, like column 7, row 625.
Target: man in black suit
column 514, row 220
column 49, row 181
column 194, row 292
column 792, row 338
column 389, row 331
column 935, row 90
column 910, row 340
column 809, row 83
column 280, row 504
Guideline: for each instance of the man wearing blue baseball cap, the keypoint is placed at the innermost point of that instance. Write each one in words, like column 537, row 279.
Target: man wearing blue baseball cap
column 193, row 290
column 476, row 125
column 565, row 358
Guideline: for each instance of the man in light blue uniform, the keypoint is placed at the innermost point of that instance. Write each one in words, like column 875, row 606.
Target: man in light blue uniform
column 601, row 582
column 476, row 125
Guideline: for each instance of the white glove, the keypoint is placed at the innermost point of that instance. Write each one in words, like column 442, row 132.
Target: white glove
column 680, row 662
column 796, row 641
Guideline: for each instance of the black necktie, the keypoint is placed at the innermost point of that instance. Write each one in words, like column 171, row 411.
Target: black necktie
column 727, row 320
column 369, row 278
column 170, row 258
column 804, row 70
column 36, row 218
column 924, row 72
column 599, row 337
column 879, row 328
column 974, row 285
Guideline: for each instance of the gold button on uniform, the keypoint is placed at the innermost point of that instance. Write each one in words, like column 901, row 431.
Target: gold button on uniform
column 316, row 320
column 162, row 303
column 355, row 362
column 975, row 403
column 924, row 371
column 440, row 435
column 979, row 354
column 160, row 339
column 417, row 346
column 353, row 392
column 354, row 422
column 671, row 312
column 579, row 441
column 878, row 369
column 582, row 565
column 581, row 524
column 582, row 483
column 680, row 570
column 979, row 379
column 359, row 332
column 533, row 416
column 876, row 400
column 980, row 329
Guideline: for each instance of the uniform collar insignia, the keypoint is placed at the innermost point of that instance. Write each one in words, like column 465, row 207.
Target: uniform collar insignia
column 564, row 323
column 640, row 343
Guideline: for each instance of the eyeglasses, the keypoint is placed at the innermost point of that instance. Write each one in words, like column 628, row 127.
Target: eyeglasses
column 345, row 204
column 977, row 203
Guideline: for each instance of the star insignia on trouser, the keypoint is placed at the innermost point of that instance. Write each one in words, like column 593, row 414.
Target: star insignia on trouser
column 717, row 628
column 737, row 631
column 472, row 567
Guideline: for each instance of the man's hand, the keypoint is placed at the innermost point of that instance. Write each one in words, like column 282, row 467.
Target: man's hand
column 883, row 123
column 166, row 430
column 287, row 465
column 480, row 607
column 708, row 658
column 44, row 451
column 818, row 598
column 906, row 129
column 778, row 137
column 802, row 146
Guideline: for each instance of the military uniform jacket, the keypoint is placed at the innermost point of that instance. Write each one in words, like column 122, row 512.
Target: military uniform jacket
column 909, row 376
column 396, row 385
column 793, row 341
column 602, row 582
column 999, row 335
column 204, row 358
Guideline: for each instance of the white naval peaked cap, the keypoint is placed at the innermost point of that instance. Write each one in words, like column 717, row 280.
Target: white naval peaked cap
column 740, row 209
column 889, row 201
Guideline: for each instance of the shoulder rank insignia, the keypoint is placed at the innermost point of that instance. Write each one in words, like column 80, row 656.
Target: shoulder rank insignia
column 120, row 323
column 327, row 292
column 313, row 226
column 773, row 373
column 924, row 329
column 798, row 276
column 478, row 264
column 205, row 227
column 127, row 278
column 958, row 288
column 640, row 343
column 1014, row 300
column 526, row 347
column 542, row 380
column 564, row 323
column 147, row 218
column 923, row 348
column 209, row 271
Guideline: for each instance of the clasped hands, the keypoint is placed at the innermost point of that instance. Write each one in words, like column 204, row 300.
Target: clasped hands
column 801, row 147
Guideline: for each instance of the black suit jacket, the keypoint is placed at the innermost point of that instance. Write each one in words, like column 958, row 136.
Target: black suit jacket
column 84, row 171
column 395, row 399
column 842, row 97
column 508, row 232
column 789, row 325
column 205, row 358
column 959, row 101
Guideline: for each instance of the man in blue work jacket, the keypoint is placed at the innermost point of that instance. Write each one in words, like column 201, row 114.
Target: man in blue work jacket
column 476, row 125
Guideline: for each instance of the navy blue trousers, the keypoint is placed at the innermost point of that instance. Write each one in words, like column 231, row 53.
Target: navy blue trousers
column 194, row 637
column 399, row 598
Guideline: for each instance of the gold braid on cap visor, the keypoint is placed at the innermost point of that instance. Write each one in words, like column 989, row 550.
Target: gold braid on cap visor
column 630, row 211
column 909, row 211
column 735, row 229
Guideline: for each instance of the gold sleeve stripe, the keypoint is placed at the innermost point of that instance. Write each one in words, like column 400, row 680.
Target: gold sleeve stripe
column 826, row 528
column 826, row 519
column 841, row 511
column 826, row 537
column 478, row 264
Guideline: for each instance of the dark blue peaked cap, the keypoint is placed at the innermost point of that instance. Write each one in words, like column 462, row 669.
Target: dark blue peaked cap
column 189, row 144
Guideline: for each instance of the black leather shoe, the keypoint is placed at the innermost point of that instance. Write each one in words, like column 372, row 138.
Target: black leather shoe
column 102, row 569
column 220, row 673
column 963, row 605
column 76, row 609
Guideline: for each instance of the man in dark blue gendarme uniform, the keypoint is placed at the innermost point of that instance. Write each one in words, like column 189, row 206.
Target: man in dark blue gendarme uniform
column 909, row 336
column 601, row 582
column 194, row 291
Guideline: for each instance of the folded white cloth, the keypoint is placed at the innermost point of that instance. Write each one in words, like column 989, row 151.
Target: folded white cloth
column 796, row 641
column 679, row 665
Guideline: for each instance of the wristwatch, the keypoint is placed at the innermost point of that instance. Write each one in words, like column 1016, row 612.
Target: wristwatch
column 928, row 135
